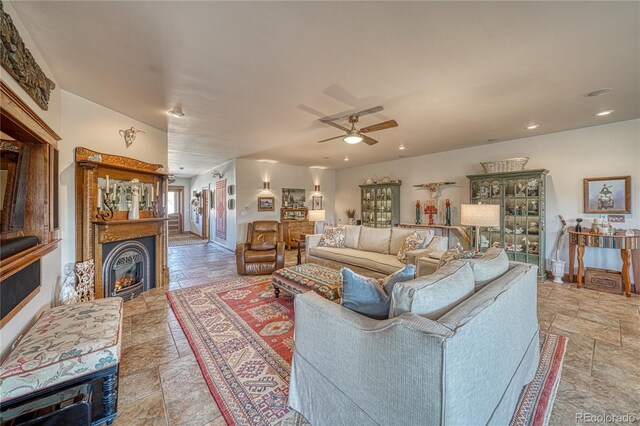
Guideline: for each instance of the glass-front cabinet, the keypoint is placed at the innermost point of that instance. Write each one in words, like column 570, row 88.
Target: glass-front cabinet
column 521, row 196
column 380, row 204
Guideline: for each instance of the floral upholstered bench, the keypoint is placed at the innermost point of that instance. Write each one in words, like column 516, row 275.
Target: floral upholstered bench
column 67, row 346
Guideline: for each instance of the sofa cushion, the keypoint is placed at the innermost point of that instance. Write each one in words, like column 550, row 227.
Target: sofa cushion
column 398, row 237
column 405, row 274
column 65, row 343
column 412, row 242
column 352, row 234
column 333, row 236
column 454, row 253
column 439, row 243
column 383, row 263
column 493, row 263
column 433, row 295
column 364, row 295
column 374, row 239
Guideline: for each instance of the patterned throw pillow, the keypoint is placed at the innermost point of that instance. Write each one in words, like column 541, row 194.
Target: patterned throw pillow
column 455, row 252
column 333, row 236
column 412, row 242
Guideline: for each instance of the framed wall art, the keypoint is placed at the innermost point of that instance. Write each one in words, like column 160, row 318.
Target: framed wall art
column 316, row 202
column 266, row 204
column 604, row 195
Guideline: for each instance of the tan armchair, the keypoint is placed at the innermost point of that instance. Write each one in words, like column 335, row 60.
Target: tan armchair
column 263, row 252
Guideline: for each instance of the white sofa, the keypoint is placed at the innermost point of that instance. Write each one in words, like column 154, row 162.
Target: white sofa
column 465, row 367
column 372, row 251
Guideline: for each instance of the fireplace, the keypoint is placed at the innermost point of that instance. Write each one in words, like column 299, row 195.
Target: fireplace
column 128, row 267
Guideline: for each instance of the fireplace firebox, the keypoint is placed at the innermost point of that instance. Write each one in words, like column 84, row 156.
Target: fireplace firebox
column 128, row 267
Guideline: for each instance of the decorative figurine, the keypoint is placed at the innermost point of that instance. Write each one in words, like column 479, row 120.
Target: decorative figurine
column 578, row 225
column 134, row 210
column 68, row 293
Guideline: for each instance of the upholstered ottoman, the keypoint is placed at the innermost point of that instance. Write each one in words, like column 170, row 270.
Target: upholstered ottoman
column 68, row 345
column 299, row 279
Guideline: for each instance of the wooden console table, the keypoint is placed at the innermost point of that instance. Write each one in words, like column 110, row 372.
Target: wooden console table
column 629, row 247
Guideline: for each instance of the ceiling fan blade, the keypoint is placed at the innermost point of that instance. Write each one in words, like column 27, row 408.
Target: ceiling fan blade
column 330, row 139
column 380, row 126
column 334, row 124
column 369, row 141
column 369, row 111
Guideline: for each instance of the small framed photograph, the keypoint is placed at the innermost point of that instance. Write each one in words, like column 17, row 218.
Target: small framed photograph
column 606, row 195
column 316, row 202
column 266, row 204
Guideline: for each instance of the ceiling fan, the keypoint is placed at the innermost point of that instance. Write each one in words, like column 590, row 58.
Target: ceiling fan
column 354, row 135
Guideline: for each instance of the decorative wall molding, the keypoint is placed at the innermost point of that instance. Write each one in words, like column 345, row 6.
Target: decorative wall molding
column 20, row 64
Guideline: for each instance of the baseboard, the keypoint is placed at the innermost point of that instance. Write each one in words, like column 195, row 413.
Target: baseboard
column 221, row 246
column 635, row 288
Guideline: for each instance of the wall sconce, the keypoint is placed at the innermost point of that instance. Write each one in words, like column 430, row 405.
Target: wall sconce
column 316, row 188
column 266, row 186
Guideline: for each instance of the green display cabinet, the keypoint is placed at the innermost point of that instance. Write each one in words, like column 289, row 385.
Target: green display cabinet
column 521, row 196
column 380, row 204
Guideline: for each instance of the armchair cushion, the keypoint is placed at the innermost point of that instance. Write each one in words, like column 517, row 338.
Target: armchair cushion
column 433, row 295
column 257, row 256
column 264, row 240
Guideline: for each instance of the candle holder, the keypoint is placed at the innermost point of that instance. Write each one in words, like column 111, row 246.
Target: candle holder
column 418, row 213
column 447, row 215
column 105, row 215
column 430, row 209
column 157, row 210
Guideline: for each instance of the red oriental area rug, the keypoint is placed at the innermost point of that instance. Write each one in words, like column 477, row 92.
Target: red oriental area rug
column 242, row 337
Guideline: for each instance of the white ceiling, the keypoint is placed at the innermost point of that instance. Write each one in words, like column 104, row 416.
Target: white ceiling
column 254, row 77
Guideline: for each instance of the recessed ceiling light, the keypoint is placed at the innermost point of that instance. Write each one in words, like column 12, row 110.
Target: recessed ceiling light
column 401, row 156
column 532, row 126
column 603, row 113
column 326, row 158
column 181, row 168
column 402, row 147
column 598, row 92
column 346, row 158
column 492, row 140
column 176, row 112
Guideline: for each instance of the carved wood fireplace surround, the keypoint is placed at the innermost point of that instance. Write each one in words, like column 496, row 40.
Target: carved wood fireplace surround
column 97, row 228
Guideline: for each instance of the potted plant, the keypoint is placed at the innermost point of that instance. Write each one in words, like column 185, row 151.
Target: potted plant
column 351, row 214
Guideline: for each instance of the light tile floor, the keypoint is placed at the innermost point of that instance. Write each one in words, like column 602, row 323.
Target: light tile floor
column 161, row 383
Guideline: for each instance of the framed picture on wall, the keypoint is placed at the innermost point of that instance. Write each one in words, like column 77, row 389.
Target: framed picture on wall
column 316, row 202
column 293, row 198
column 605, row 195
column 266, row 204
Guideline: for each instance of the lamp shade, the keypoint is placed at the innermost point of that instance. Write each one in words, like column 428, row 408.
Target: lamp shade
column 480, row 214
column 316, row 215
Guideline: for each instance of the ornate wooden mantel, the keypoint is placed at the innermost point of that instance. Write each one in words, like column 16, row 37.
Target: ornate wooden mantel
column 92, row 232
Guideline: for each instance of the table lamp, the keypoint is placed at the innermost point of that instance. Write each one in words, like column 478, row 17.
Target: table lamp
column 316, row 216
column 479, row 215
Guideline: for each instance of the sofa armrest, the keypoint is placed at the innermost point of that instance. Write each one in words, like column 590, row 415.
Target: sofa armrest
column 326, row 332
column 311, row 240
column 414, row 255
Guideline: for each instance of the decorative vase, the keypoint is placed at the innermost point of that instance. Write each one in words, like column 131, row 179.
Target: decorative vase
column 134, row 210
column 557, row 269
column 447, row 214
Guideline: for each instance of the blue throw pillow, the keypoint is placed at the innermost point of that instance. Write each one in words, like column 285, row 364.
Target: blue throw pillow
column 405, row 274
column 370, row 296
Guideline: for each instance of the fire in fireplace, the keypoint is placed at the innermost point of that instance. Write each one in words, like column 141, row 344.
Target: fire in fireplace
column 127, row 268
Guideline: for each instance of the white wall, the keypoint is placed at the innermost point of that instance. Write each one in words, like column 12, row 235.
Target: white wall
column 92, row 126
column 605, row 150
column 186, row 193
column 51, row 269
column 251, row 174
column 228, row 171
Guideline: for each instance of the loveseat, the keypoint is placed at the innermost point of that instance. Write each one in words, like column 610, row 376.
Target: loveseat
column 372, row 251
column 466, row 366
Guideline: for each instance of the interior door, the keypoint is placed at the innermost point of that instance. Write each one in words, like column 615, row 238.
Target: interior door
column 221, row 209
column 175, row 209
column 205, row 212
